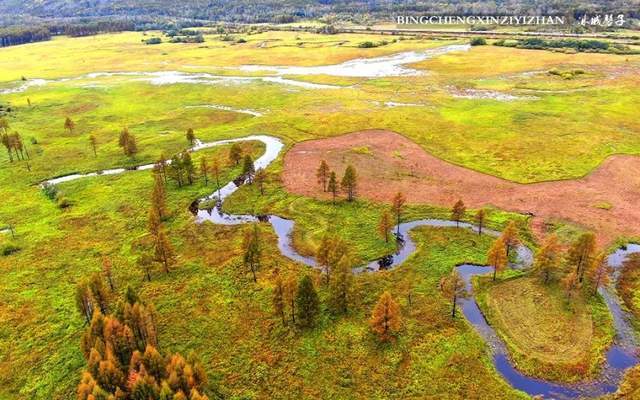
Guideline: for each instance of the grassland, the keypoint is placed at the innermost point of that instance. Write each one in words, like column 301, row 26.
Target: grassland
column 547, row 336
column 207, row 304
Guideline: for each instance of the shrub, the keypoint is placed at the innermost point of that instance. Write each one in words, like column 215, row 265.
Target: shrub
column 153, row 40
column 366, row 45
column 51, row 191
column 63, row 202
column 9, row 249
column 478, row 41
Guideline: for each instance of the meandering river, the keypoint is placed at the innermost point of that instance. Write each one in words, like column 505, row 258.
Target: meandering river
column 620, row 356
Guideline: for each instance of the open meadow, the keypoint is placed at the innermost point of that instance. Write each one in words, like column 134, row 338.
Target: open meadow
column 545, row 140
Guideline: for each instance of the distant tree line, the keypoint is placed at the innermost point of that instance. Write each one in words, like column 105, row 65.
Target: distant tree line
column 42, row 30
column 19, row 35
column 574, row 44
column 290, row 11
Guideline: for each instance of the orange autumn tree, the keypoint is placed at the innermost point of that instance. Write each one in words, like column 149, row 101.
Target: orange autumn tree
column 385, row 319
column 497, row 257
column 123, row 361
column 510, row 237
column 384, row 225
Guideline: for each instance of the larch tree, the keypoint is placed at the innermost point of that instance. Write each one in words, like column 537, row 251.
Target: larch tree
column 85, row 302
column 123, row 138
column 307, row 303
column 69, row 125
column 341, row 289
column 510, row 237
column 145, row 262
column 215, row 171
column 278, row 300
column 164, row 252
column 159, row 197
column 332, row 186
column 454, row 288
column 235, row 154
column 457, row 212
column 385, row 319
column 153, row 223
column 397, row 206
column 329, row 253
column 248, row 168
column 107, row 271
column 204, row 170
column 581, row 253
column 162, row 166
column 176, row 170
column 497, row 257
column 548, row 258
column 6, row 142
column 349, row 182
column 131, row 148
column 94, row 145
column 599, row 272
column 15, row 143
column 290, row 295
column 189, row 168
column 480, row 218
column 252, row 251
column 191, row 136
column 384, row 225
column 259, row 179
column 322, row 174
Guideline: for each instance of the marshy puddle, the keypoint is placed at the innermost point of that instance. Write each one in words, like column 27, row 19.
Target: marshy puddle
column 485, row 94
column 94, row 79
column 385, row 66
column 227, row 108
column 393, row 104
column 376, row 67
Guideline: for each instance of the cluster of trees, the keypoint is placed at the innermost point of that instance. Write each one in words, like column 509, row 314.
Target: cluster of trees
column 498, row 255
column 128, row 143
column 329, row 181
column 183, row 171
column 575, row 44
column 121, row 351
column 185, row 36
column 249, row 173
column 297, row 302
column 90, row 28
column 20, row 35
column 12, row 142
column 29, row 32
column 581, row 268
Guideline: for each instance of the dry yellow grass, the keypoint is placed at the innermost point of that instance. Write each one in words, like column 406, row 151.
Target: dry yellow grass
column 538, row 324
column 547, row 336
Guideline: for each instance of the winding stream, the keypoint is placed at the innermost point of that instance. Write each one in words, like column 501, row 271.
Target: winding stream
column 620, row 356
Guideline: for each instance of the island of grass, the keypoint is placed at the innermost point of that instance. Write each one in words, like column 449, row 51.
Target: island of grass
column 547, row 336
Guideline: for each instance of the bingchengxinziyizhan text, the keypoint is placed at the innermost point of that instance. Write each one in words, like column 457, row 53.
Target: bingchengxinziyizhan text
column 602, row 20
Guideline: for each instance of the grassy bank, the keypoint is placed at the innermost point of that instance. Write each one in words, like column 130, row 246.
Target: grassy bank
column 547, row 336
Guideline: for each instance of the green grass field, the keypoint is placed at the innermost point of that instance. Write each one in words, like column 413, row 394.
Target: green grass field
column 209, row 304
